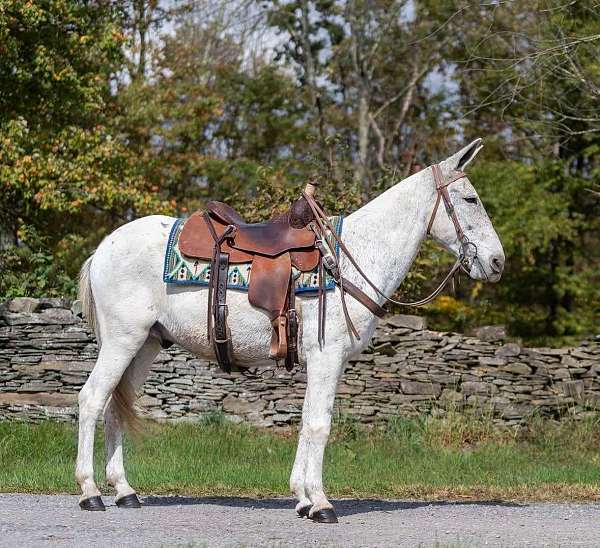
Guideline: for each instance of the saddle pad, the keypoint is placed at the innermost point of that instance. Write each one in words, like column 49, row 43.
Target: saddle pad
column 182, row 270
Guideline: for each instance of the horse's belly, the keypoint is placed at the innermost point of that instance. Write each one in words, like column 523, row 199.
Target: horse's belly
column 185, row 322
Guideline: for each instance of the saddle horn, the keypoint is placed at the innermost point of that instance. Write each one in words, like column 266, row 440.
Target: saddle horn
column 301, row 213
column 311, row 187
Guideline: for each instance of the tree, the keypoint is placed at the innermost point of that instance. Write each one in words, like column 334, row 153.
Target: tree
column 202, row 124
column 365, row 65
column 65, row 178
column 529, row 81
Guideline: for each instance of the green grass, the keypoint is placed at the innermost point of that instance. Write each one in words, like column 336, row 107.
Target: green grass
column 452, row 458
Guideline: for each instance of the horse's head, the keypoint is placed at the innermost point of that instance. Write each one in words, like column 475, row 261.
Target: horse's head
column 460, row 222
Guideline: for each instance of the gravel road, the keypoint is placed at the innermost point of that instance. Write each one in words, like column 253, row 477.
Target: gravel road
column 46, row 520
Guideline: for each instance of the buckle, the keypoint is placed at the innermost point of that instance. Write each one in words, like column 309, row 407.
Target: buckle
column 332, row 266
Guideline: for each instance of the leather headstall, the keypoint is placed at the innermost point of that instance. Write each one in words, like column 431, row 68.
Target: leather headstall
column 441, row 187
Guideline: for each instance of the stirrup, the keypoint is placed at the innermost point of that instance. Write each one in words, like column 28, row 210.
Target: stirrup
column 278, row 349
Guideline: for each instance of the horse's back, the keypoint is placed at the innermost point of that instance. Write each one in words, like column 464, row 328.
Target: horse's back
column 128, row 287
column 126, row 268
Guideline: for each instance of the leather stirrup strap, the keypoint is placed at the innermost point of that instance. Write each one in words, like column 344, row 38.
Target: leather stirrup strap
column 292, row 328
column 218, row 331
column 222, row 336
column 209, row 319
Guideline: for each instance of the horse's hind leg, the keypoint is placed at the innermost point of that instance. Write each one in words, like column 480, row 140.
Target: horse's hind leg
column 134, row 376
column 116, row 354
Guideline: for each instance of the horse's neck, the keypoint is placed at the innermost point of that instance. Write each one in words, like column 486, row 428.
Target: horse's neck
column 385, row 235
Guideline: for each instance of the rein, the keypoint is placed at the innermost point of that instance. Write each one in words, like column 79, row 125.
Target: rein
column 346, row 286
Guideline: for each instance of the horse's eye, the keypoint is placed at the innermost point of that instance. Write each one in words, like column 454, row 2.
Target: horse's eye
column 471, row 200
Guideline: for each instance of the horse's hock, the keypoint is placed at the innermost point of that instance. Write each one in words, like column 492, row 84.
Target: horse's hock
column 47, row 353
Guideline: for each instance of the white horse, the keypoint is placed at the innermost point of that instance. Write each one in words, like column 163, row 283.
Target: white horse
column 132, row 310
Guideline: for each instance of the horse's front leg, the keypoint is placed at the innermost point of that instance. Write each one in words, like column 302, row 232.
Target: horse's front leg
column 323, row 371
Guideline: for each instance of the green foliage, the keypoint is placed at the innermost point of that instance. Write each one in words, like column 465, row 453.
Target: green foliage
column 103, row 118
column 65, row 178
column 57, row 57
column 271, row 193
column 526, row 85
column 28, row 271
column 547, row 222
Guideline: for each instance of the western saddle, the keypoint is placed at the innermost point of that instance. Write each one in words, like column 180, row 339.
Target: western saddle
column 294, row 239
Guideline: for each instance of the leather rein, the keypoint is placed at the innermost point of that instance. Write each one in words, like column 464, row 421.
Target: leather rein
column 468, row 250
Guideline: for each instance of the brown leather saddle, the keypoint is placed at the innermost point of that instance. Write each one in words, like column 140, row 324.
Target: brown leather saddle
column 220, row 235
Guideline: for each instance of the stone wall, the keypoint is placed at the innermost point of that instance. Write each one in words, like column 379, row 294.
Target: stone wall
column 47, row 352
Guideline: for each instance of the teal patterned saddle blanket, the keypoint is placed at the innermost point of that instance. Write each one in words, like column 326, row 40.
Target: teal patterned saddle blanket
column 182, row 270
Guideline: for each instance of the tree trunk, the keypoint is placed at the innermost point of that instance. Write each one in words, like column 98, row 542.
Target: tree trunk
column 309, row 64
column 141, row 27
column 311, row 81
column 360, row 171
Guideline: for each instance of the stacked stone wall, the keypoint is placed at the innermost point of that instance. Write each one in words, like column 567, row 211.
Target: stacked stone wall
column 47, row 353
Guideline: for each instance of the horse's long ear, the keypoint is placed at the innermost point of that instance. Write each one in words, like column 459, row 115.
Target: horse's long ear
column 464, row 157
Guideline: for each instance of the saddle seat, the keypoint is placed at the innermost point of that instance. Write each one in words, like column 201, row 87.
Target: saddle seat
column 272, row 248
column 270, row 238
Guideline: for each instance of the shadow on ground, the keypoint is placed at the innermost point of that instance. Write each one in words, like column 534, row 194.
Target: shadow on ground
column 343, row 507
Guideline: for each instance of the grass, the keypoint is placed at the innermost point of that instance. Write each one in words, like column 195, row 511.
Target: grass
column 453, row 458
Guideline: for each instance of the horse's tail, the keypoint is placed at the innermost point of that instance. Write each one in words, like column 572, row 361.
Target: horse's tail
column 123, row 396
column 86, row 297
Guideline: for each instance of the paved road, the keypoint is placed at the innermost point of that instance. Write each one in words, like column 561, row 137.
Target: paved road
column 45, row 520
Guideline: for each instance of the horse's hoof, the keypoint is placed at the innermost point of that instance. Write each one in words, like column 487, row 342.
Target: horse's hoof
column 327, row 515
column 129, row 501
column 93, row 504
column 304, row 511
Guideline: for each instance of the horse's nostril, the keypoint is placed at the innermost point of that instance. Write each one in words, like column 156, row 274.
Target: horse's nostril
column 497, row 263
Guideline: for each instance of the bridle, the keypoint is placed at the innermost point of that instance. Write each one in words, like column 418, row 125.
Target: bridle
column 441, row 188
column 467, row 251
